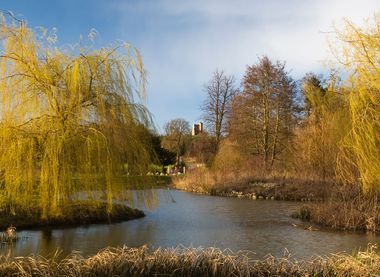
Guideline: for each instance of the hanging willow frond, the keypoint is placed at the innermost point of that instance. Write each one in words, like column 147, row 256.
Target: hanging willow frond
column 69, row 122
column 360, row 156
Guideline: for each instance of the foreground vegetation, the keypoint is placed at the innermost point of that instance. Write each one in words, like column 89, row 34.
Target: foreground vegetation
column 191, row 262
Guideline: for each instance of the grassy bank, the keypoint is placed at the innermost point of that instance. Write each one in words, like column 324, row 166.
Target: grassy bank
column 80, row 212
column 358, row 214
column 254, row 186
column 191, row 262
column 331, row 205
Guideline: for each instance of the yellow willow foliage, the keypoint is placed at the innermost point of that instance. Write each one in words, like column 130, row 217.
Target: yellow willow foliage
column 69, row 124
column 360, row 155
column 316, row 143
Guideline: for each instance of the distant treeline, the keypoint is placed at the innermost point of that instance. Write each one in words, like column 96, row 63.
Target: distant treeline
column 323, row 128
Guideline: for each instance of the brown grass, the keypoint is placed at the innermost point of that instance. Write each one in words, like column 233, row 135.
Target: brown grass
column 203, row 180
column 275, row 185
column 181, row 261
column 359, row 214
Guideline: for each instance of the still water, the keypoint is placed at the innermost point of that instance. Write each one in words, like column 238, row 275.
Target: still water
column 198, row 221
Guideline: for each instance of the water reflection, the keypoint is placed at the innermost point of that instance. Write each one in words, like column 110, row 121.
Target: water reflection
column 194, row 220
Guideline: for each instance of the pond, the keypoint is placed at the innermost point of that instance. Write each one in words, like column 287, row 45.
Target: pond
column 260, row 226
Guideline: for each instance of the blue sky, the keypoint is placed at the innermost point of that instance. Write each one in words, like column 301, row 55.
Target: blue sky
column 183, row 41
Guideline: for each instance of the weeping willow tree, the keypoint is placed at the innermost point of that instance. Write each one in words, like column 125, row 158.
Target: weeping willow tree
column 360, row 156
column 325, row 124
column 70, row 121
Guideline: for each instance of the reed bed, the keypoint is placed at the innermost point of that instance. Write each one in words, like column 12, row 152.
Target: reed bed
column 275, row 186
column 181, row 261
column 358, row 214
column 204, row 180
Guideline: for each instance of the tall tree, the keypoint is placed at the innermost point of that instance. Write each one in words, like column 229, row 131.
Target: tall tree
column 176, row 132
column 264, row 112
column 201, row 148
column 68, row 121
column 316, row 139
column 217, row 107
column 163, row 156
column 313, row 90
column 361, row 147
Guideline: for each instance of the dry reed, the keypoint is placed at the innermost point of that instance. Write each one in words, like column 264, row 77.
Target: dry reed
column 273, row 186
column 359, row 214
column 180, row 261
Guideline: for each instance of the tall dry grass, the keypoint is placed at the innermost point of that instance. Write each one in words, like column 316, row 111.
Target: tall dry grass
column 182, row 261
column 203, row 180
column 358, row 214
column 248, row 182
column 230, row 168
column 234, row 170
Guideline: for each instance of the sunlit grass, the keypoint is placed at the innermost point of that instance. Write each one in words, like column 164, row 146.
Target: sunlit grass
column 180, row 261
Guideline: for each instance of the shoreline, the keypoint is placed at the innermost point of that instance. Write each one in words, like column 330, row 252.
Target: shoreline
column 265, row 190
column 77, row 215
column 327, row 206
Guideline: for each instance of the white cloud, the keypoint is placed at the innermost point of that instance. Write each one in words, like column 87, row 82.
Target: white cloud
column 184, row 41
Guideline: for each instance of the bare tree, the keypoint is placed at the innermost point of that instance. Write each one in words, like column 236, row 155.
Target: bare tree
column 176, row 131
column 264, row 112
column 217, row 107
